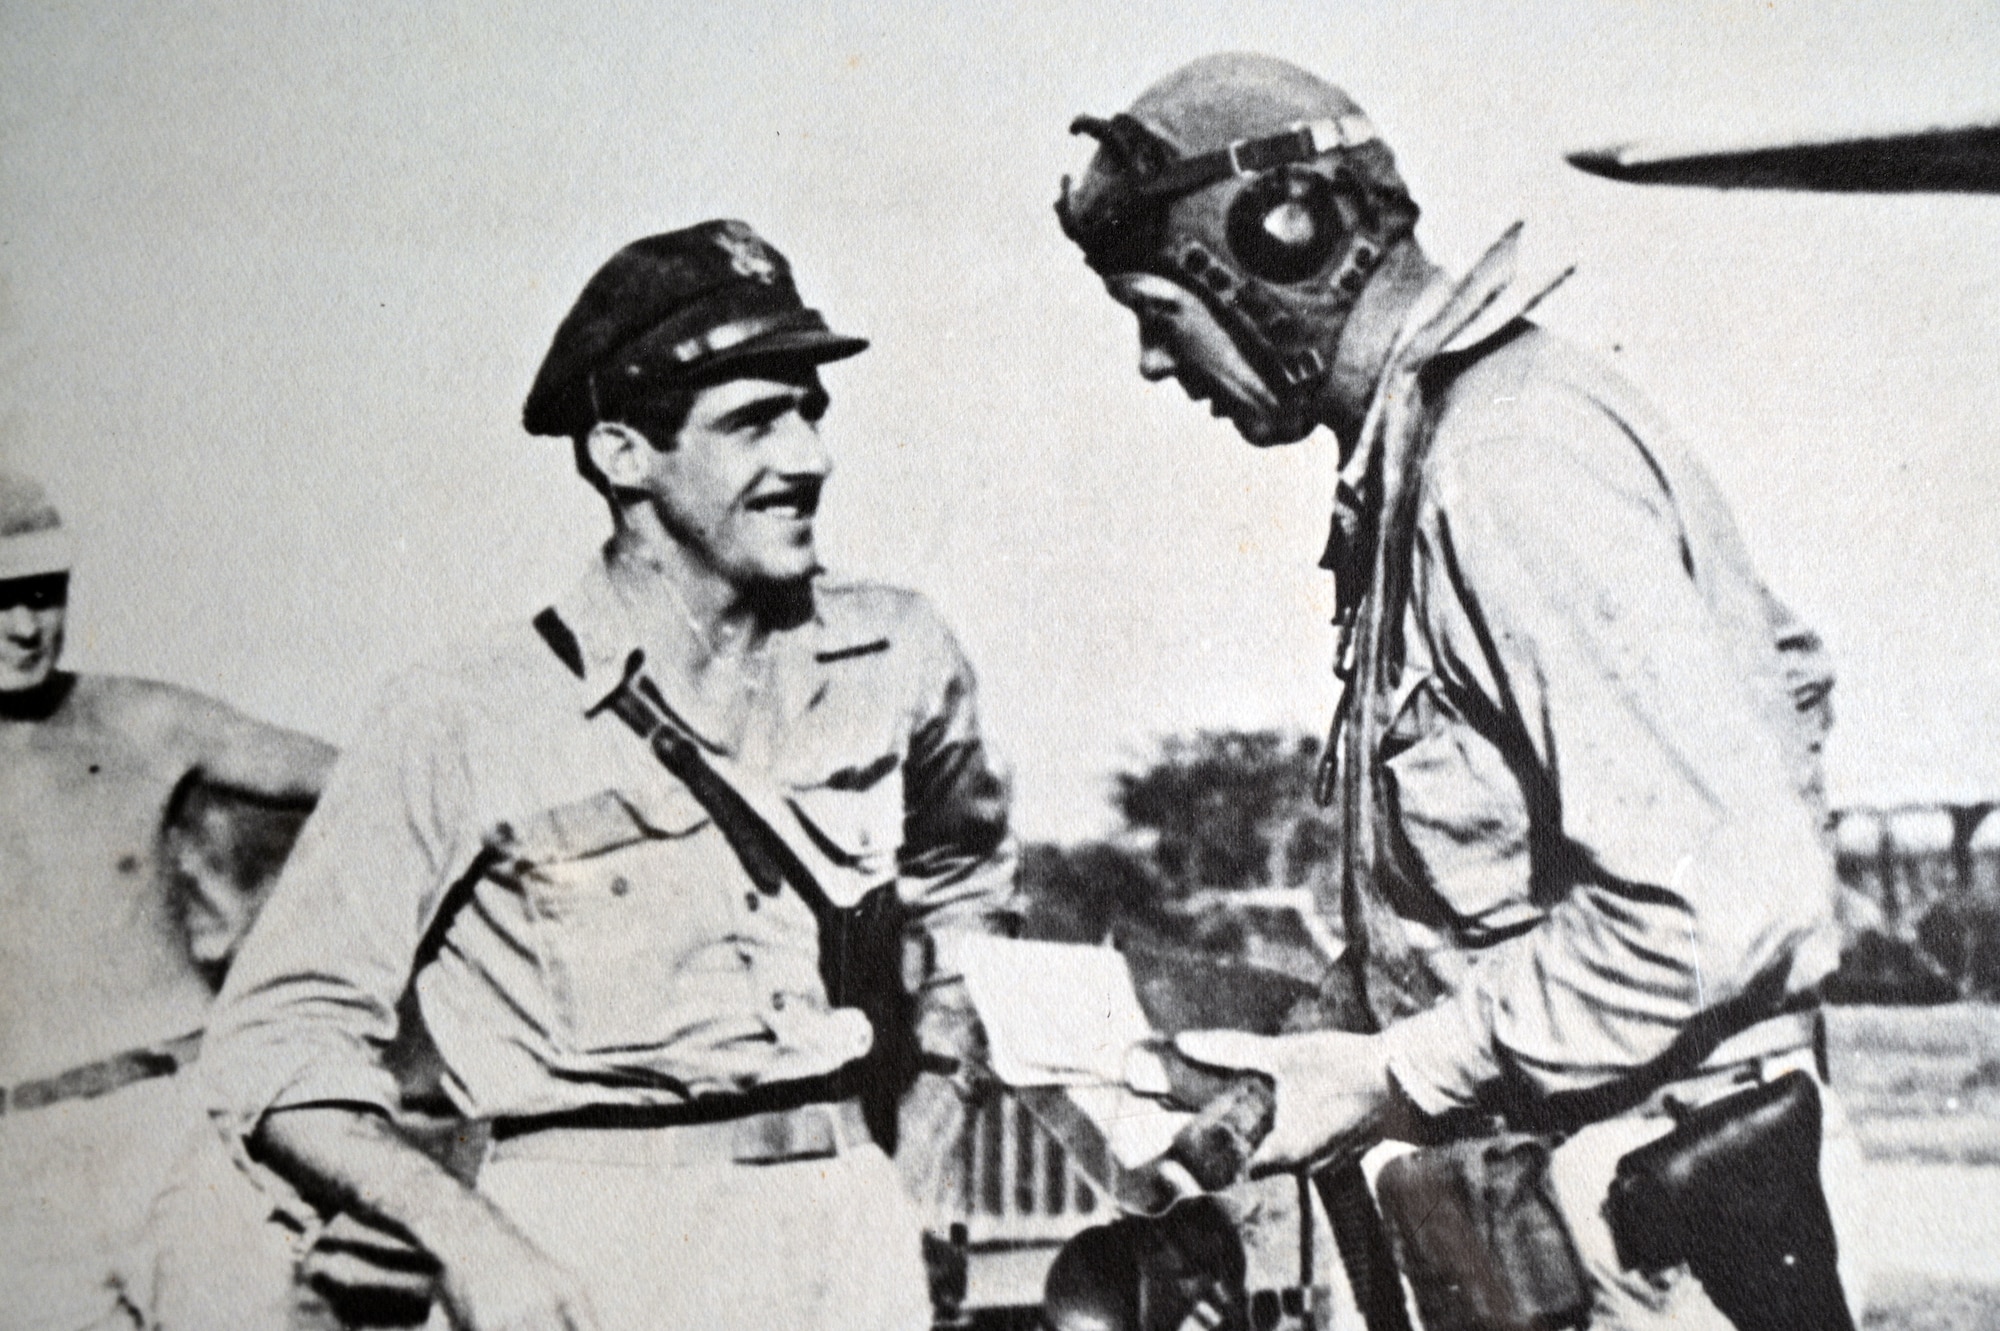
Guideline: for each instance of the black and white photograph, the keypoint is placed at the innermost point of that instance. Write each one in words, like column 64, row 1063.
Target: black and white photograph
column 1312, row 665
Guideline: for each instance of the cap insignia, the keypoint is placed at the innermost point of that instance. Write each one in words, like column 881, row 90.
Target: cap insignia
column 747, row 254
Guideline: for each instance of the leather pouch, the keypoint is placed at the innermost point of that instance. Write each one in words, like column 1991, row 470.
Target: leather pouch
column 1476, row 1232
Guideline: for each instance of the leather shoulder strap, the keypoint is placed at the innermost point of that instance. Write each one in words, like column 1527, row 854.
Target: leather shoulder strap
column 765, row 854
column 561, row 640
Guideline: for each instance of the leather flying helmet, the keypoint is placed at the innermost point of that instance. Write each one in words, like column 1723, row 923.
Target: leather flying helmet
column 1257, row 186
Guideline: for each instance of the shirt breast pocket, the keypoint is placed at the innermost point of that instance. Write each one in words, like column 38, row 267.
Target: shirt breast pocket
column 854, row 818
column 1459, row 819
column 618, row 894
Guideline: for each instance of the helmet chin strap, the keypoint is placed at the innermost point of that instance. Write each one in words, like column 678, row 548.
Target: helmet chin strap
column 1251, row 318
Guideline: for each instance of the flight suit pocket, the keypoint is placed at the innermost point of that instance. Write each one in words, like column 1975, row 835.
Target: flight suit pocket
column 618, row 893
column 1458, row 815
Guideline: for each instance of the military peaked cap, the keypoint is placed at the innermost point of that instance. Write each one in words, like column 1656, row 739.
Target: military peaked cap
column 680, row 309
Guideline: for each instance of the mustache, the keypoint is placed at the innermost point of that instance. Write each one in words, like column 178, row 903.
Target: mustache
column 801, row 496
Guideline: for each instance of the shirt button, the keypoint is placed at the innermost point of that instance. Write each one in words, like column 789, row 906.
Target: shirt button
column 619, row 887
column 777, row 1002
column 750, row 901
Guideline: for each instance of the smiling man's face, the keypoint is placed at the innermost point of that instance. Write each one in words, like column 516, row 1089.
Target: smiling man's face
column 739, row 486
column 1180, row 339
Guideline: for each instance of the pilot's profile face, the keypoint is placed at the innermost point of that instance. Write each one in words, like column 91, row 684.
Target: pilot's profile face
column 31, row 629
column 1180, row 339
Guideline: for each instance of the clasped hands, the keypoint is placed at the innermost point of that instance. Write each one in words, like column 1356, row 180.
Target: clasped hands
column 1333, row 1091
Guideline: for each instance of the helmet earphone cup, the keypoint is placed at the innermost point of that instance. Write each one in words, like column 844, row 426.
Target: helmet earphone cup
column 1287, row 224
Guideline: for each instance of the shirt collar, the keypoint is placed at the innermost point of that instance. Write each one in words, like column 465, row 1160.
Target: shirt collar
column 1352, row 485
column 602, row 633
column 1447, row 317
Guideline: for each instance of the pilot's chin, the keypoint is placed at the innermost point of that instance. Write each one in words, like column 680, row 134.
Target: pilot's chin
column 1273, row 428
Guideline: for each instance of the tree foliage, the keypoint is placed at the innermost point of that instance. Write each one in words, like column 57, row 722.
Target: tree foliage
column 1214, row 810
column 1229, row 809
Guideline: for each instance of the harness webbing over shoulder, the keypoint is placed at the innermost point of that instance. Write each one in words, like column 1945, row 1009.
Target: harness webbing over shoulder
column 637, row 701
column 1399, row 433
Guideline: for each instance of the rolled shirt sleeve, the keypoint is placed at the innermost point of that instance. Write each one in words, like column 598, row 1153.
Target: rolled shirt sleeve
column 1561, row 601
column 310, row 1003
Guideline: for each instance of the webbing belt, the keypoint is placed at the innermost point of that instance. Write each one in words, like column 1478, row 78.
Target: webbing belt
column 773, row 1136
column 1756, row 1054
column 1785, row 1033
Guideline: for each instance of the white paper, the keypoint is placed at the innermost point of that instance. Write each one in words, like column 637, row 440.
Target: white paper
column 1056, row 1014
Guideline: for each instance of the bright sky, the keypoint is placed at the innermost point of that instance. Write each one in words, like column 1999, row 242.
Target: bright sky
column 274, row 281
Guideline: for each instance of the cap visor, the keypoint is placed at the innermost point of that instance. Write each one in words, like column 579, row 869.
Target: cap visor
column 807, row 346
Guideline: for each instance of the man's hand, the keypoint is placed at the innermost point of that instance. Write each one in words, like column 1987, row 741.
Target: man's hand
column 494, row 1279
column 1332, row 1090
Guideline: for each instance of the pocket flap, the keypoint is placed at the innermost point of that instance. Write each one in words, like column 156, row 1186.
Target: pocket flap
column 856, row 814
column 603, row 822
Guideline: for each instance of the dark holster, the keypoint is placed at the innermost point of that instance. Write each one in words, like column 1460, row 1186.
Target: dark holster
column 1734, row 1192
column 1477, row 1232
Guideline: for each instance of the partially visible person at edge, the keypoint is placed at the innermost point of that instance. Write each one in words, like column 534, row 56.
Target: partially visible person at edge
column 103, row 988
column 676, row 1141
column 1578, row 749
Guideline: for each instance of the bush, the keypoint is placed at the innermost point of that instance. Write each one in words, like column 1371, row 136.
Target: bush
column 1226, row 808
column 1090, row 893
column 1878, row 968
column 1962, row 935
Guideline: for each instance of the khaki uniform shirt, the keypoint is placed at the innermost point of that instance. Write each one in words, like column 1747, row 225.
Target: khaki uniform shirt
column 1591, row 778
column 580, row 932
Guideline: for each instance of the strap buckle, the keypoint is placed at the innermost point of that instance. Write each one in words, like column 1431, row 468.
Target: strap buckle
column 1348, row 131
column 810, row 1132
column 1301, row 142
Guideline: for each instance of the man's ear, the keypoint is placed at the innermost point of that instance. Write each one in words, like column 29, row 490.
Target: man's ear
column 621, row 454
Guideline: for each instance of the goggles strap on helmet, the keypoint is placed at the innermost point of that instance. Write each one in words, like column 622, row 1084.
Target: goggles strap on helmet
column 1300, row 142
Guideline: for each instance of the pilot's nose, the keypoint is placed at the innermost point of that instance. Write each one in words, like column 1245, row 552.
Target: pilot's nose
column 804, row 451
column 1155, row 362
